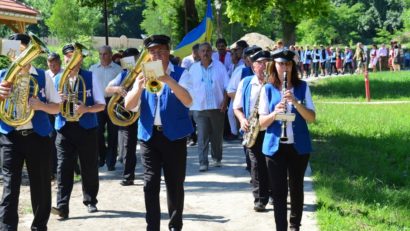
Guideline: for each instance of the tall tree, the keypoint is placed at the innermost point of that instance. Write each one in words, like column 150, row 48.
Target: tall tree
column 41, row 29
column 69, row 22
column 288, row 12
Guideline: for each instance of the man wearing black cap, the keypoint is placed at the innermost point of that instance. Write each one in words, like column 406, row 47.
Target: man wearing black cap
column 245, row 103
column 30, row 144
column 127, row 136
column 240, row 73
column 163, row 126
column 78, row 139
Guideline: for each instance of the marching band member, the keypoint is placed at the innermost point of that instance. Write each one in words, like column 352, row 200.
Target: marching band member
column 246, row 97
column 127, row 136
column 78, row 138
column 163, row 126
column 286, row 159
column 30, row 144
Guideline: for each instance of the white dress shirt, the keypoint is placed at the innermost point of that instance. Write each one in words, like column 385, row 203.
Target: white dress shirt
column 264, row 110
column 50, row 93
column 207, row 85
column 227, row 61
column 236, row 77
column 187, row 62
column 104, row 74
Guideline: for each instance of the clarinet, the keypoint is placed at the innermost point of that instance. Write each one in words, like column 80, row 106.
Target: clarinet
column 284, row 136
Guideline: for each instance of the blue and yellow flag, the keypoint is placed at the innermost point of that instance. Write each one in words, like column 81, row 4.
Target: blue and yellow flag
column 201, row 33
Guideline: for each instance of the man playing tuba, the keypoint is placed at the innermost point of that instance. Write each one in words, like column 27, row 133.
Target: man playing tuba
column 27, row 142
column 77, row 137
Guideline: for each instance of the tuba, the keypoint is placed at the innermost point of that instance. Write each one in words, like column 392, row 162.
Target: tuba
column 115, row 108
column 74, row 89
column 15, row 110
column 249, row 137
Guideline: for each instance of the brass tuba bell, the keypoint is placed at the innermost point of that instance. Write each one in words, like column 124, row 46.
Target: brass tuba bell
column 15, row 110
column 72, row 89
column 115, row 108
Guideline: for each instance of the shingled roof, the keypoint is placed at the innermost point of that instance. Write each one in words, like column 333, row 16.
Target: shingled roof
column 17, row 15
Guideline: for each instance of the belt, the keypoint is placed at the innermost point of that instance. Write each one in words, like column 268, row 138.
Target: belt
column 158, row 128
column 24, row 132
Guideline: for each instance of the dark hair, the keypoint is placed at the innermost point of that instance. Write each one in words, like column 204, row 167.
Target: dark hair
column 221, row 40
column 195, row 47
column 274, row 76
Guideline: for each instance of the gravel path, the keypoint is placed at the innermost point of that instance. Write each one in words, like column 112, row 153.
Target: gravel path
column 217, row 200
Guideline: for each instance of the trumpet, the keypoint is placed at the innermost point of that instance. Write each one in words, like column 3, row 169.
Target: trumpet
column 15, row 111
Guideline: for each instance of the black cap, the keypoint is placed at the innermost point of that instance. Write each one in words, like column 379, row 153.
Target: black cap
column 251, row 50
column 155, row 40
column 68, row 48
column 24, row 38
column 53, row 56
column 130, row 52
column 282, row 55
column 260, row 55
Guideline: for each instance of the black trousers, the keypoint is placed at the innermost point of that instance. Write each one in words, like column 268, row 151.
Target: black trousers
column 35, row 151
column 127, row 146
column 315, row 67
column 348, row 67
column 107, row 153
column 259, row 171
column 287, row 163
column 170, row 156
column 73, row 140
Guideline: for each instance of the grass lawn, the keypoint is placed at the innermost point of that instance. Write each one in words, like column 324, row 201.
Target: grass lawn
column 361, row 158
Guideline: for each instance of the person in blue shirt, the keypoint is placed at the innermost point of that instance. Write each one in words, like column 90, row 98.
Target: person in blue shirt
column 286, row 159
column 163, row 127
column 28, row 143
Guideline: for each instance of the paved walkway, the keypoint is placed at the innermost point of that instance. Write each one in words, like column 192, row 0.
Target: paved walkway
column 217, row 200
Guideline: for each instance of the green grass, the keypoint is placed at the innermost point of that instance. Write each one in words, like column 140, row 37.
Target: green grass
column 361, row 159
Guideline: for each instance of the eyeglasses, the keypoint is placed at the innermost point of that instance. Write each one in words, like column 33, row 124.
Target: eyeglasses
column 158, row 52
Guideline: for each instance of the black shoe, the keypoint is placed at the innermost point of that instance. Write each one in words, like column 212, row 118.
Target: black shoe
column 174, row 229
column 111, row 168
column 92, row 208
column 191, row 143
column 127, row 182
column 271, row 200
column 59, row 212
column 259, row 207
column 101, row 163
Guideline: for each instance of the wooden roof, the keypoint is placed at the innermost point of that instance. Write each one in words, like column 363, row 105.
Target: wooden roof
column 17, row 15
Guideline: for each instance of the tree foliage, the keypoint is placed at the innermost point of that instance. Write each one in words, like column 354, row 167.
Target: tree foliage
column 68, row 22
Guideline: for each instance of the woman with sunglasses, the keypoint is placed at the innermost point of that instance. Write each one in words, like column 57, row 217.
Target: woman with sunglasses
column 286, row 160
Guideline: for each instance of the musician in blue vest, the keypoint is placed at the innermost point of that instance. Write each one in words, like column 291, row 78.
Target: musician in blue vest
column 316, row 55
column 30, row 144
column 307, row 60
column 246, row 101
column 348, row 61
column 78, row 138
column 333, row 69
column 286, row 159
column 163, row 127
column 127, row 135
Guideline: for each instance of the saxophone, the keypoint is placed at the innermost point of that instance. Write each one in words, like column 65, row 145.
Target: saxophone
column 249, row 138
column 115, row 108
column 15, row 110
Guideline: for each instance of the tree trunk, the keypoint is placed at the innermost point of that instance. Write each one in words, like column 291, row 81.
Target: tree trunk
column 289, row 32
column 218, row 5
column 191, row 15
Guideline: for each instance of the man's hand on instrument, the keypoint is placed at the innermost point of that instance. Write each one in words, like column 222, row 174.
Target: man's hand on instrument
column 244, row 125
column 80, row 108
column 5, row 90
column 35, row 103
column 63, row 96
column 121, row 91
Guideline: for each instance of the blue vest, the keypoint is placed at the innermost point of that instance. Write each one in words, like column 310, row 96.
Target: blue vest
column 246, row 71
column 123, row 75
column 175, row 119
column 302, row 141
column 246, row 95
column 41, row 122
column 87, row 120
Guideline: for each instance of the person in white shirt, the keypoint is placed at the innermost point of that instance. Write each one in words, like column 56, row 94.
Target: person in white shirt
column 246, row 101
column 192, row 58
column 222, row 54
column 383, row 57
column 54, row 65
column 208, row 83
column 105, row 71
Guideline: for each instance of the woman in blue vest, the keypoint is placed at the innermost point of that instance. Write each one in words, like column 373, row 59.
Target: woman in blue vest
column 30, row 144
column 78, row 138
column 286, row 159
column 163, row 126
column 127, row 135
